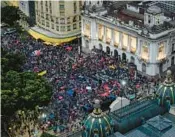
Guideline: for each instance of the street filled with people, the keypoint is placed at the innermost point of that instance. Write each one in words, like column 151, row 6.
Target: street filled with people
column 76, row 79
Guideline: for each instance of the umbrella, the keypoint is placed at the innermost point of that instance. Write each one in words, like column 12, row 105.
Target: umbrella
column 37, row 52
column 69, row 48
column 104, row 94
column 137, row 86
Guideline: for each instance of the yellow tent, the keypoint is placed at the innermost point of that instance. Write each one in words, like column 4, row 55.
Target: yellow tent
column 42, row 73
column 50, row 40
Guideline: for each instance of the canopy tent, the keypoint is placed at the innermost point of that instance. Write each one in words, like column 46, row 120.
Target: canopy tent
column 49, row 40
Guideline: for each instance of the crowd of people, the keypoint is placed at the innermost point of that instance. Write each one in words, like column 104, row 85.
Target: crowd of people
column 76, row 80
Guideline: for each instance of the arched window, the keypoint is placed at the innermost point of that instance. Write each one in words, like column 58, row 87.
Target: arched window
column 132, row 60
column 107, row 130
column 96, row 133
column 108, row 50
column 144, row 67
column 172, row 61
column 100, row 47
column 123, row 56
column 115, row 53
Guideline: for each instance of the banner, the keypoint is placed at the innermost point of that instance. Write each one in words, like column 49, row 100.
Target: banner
column 42, row 73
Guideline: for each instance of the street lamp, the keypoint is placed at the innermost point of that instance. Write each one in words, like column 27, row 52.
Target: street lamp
column 43, row 115
column 123, row 82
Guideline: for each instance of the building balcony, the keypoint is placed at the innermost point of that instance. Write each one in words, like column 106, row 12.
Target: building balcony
column 108, row 42
column 86, row 36
column 144, row 59
column 116, row 45
column 161, row 59
column 133, row 51
column 100, row 39
column 124, row 48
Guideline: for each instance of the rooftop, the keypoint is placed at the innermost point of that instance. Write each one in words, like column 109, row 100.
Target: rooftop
column 119, row 14
column 159, row 126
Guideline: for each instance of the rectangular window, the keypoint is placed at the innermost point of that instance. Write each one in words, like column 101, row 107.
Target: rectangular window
column 125, row 41
column 133, row 44
column 43, row 22
column 61, row 6
column 42, row 15
column 75, row 19
column 57, row 20
column 74, row 26
column 47, row 24
column 68, row 28
column 61, row 1
column 75, row 7
column 100, row 32
column 62, row 28
column 173, row 48
column 52, row 26
column 87, row 30
column 47, row 16
column 62, row 21
column 145, row 51
column 52, row 19
column 80, row 3
column 108, row 35
column 57, row 28
column 80, row 24
column 47, row 9
column 62, row 13
column 116, row 38
column 68, row 20
column 161, row 51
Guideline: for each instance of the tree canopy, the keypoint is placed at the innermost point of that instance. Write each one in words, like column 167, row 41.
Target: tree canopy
column 9, row 14
column 21, row 90
column 11, row 61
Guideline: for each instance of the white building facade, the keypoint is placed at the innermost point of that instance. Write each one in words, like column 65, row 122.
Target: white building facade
column 151, row 52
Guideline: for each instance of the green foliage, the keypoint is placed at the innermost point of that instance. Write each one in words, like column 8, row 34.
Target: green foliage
column 47, row 135
column 10, row 61
column 21, row 90
column 9, row 15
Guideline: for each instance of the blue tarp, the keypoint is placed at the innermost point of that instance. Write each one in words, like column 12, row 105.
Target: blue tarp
column 112, row 97
column 70, row 92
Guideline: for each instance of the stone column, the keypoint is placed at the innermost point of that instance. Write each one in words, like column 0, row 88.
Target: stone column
column 120, row 40
column 129, row 44
column 104, row 38
column 112, row 37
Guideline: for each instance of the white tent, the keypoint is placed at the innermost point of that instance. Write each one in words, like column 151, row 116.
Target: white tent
column 88, row 88
column 118, row 103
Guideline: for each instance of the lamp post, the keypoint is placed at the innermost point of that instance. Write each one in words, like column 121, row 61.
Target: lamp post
column 79, row 45
column 123, row 82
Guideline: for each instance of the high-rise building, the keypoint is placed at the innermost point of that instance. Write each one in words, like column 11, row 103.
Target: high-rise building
column 27, row 13
column 10, row 3
column 62, row 18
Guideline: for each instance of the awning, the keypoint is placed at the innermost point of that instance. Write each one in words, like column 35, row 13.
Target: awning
column 49, row 40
